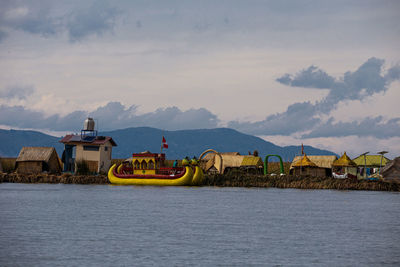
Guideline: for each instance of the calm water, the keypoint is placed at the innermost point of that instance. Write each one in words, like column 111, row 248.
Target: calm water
column 102, row 225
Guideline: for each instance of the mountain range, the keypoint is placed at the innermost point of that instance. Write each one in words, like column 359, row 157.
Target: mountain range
column 181, row 143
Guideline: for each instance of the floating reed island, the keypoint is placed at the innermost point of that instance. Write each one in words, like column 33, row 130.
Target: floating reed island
column 65, row 178
column 299, row 182
column 232, row 179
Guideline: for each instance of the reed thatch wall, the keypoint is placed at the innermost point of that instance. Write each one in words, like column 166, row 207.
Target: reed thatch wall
column 38, row 159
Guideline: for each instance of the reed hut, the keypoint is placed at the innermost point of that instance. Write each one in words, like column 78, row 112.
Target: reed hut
column 391, row 171
column 324, row 162
column 370, row 164
column 344, row 167
column 37, row 160
column 306, row 167
column 1, row 166
column 225, row 161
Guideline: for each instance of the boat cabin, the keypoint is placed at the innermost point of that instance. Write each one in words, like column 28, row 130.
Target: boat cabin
column 147, row 163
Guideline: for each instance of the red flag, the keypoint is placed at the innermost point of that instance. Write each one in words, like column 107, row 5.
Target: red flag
column 302, row 149
column 164, row 143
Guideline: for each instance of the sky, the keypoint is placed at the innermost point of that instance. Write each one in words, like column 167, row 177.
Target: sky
column 320, row 73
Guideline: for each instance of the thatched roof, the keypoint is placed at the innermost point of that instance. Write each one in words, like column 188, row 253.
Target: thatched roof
column 344, row 161
column 211, row 155
column 251, row 161
column 36, row 154
column 304, row 162
column 392, row 167
column 320, row 161
column 231, row 159
column 372, row 160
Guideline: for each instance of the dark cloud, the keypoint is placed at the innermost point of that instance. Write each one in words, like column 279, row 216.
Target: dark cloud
column 18, row 116
column 357, row 85
column 114, row 115
column 42, row 19
column 393, row 74
column 95, row 20
column 29, row 17
column 311, row 78
column 375, row 127
column 365, row 81
column 16, row 92
column 296, row 118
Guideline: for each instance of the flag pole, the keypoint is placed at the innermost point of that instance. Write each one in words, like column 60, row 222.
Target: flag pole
column 161, row 145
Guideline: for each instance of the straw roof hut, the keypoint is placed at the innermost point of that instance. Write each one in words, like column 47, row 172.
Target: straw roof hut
column 344, row 167
column 305, row 167
column 370, row 164
column 37, row 160
column 324, row 162
column 372, row 161
column 344, row 161
column 392, row 170
column 231, row 160
column 253, row 163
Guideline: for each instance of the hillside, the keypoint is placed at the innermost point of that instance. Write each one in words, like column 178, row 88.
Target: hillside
column 193, row 142
column 181, row 143
column 11, row 141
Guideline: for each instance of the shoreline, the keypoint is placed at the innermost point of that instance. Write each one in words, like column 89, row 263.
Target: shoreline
column 218, row 180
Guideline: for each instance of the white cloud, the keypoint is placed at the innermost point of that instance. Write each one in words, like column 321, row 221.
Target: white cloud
column 215, row 59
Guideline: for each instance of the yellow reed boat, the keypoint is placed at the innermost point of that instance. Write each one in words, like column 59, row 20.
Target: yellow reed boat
column 149, row 169
column 198, row 175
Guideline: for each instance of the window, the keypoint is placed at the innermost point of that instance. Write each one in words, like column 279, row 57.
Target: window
column 106, row 148
column 151, row 165
column 144, row 165
column 91, row 148
column 136, row 164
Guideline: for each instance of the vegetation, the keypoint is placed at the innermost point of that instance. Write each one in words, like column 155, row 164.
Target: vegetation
column 8, row 164
column 238, row 179
column 65, row 178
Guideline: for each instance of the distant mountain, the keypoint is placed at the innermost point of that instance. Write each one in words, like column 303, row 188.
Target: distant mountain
column 181, row 143
column 11, row 141
column 193, row 142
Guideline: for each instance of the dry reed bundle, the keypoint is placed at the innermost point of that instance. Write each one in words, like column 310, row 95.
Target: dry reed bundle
column 245, row 180
column 53, row 179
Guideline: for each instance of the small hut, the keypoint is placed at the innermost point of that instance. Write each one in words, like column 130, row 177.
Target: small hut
column 344, row 167
column 324, row 162
column 225, row 161
column 392, row 170
column 305, row 167
column 1, row 166
column 370, row 164
column 37, row 160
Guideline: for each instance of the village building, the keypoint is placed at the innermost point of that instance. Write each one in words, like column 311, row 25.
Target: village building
column 306, row 167
column 323, row 162
column 370, row 164
column 88, row 148
column 226, row 161
column 344, row 167
column 37, row 160
column 391, row 171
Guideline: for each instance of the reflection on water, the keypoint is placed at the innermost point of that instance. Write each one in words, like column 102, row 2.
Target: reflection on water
column 85, row 225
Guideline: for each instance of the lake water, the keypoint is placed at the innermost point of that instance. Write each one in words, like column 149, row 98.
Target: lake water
column 104, row 225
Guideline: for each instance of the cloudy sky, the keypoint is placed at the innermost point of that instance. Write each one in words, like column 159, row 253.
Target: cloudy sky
column 322, row 73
